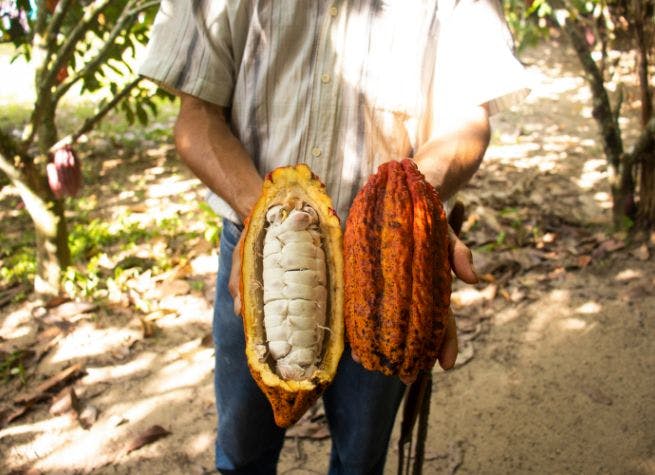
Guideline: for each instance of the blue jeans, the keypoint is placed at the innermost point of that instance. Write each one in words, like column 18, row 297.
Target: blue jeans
column 360, row 405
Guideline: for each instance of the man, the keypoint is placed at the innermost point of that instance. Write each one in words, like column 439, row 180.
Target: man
column 342, row 87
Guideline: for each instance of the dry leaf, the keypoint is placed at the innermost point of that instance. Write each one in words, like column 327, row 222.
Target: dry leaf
column 207, row 341
column 466, row 325
column 148, row 327
column 64, row 402
column 175, row 287
column 56, row 301
column 88, row 416
column 9, row 414
column 584, row 261
column 150, row 435
column 472, row 296
column 642, row 253
column 70, row 309
column 465, row 354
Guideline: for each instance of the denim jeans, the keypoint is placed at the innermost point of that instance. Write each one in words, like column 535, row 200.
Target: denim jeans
column 360, row 405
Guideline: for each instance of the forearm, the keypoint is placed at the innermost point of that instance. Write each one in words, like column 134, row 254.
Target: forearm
column 451, row 157
column 206, row 144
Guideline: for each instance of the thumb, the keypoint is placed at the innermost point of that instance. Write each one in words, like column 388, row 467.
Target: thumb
column 461, row 259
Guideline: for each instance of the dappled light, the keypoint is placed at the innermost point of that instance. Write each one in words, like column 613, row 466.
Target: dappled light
column 589, row 308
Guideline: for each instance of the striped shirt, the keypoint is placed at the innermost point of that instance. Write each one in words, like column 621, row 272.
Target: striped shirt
column 342, row 86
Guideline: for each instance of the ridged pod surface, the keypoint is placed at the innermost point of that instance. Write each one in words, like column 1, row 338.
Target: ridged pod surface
column 292, row 260
column 397, row 273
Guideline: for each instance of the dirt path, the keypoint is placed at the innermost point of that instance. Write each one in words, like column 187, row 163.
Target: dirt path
column 557, row 363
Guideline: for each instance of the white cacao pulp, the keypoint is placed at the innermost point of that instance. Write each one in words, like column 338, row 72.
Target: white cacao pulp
column 295, row 290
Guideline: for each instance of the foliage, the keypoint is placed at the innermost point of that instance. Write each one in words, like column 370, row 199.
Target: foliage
column 527, row 21
column 82, row 49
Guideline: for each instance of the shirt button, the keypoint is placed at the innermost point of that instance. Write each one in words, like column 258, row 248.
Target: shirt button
column 325, row 78
column 316, row 152
column 333, row 10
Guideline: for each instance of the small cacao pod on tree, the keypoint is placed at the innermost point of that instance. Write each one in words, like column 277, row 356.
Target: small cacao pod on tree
column 397, row 273
column 292, row 291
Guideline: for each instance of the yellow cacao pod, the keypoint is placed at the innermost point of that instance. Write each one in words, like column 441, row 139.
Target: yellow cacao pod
column 292, row 291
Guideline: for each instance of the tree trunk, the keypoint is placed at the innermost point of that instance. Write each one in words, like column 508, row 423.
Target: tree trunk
column 47, row 213
column 646, row 216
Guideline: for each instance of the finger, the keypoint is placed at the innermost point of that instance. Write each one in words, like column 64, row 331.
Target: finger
column 461, row 260
column 234, row 284
column 449, row 347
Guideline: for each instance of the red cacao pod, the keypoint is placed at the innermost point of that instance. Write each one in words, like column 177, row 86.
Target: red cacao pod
column 397, row 274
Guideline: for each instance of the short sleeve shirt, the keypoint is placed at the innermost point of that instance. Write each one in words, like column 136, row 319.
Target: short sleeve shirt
column 342, row 86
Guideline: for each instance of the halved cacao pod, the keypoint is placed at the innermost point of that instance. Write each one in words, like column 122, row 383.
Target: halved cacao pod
column 397, row 272
column 292, row 291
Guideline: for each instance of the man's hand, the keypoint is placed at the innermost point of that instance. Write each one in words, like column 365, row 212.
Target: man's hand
column 461, row 261
column 234, row 284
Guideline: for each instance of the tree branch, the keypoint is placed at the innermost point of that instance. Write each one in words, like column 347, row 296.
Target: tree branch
column 91, row 122
column 49, row 76
column 41, row 17
column 68, row 47
column 129, row 15
column 98, row 59
column 56, row 21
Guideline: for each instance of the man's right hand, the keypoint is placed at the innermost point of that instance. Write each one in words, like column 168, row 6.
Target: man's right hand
column 234, row 284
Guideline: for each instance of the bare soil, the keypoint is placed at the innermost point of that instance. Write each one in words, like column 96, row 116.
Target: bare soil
column 556, row 372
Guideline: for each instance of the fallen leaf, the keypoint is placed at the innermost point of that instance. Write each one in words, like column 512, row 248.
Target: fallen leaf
column 148, row 327
column 505, row 294
column 516, row 295
column 56, row 301
column 69, row 309
column 467, row 325
column 88, row 416
column 175, row 287
column 64, row 402
column 150, row 435
column 642, row 253
column 610, row 245
column 207, row 341
column 9, row 414
column 472, row 296
column 584, row 261
column 465, row 355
